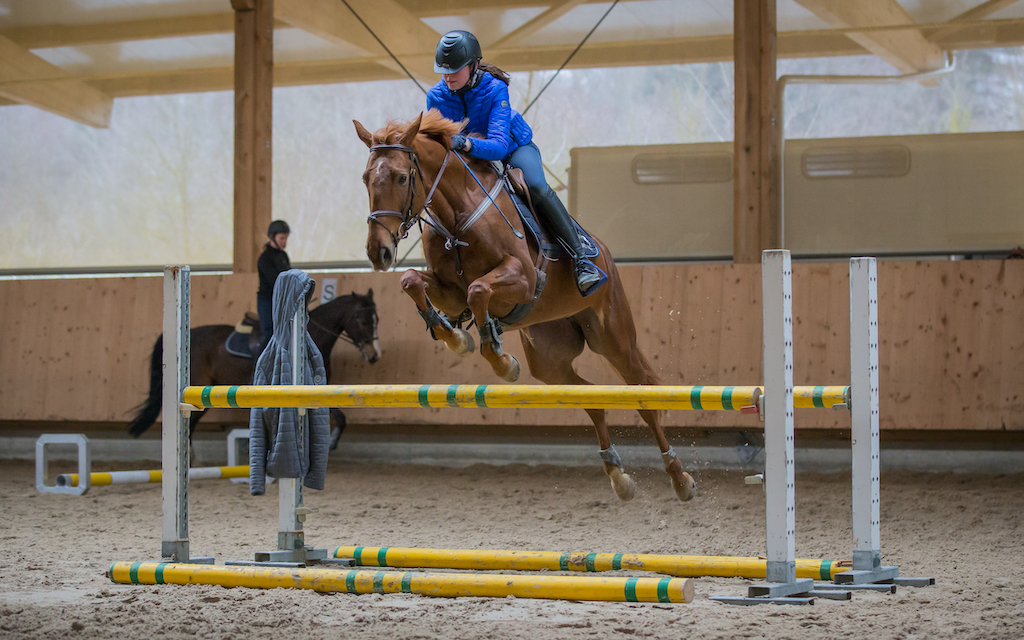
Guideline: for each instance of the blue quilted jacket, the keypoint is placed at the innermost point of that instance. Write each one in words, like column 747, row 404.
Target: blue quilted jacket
column 486, row 105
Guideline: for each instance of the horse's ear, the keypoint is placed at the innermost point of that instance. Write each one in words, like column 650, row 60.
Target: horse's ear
column 411, row 131
column 369, row 294
column 363, row 134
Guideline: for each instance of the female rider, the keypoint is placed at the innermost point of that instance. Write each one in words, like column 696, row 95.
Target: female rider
column 479, row 91
column 271, row 263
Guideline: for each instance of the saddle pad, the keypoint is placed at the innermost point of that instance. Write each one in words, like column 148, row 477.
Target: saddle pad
column 237, row 344
column 552, row 250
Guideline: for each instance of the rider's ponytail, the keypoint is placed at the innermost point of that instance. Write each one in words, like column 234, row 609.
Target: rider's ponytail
column 495, row 71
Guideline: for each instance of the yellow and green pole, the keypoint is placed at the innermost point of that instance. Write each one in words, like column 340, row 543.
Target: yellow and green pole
column 448, row 585
column 712, row 398
column 674, row 565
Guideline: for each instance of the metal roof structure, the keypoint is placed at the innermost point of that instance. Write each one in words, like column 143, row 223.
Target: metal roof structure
column 74, row 57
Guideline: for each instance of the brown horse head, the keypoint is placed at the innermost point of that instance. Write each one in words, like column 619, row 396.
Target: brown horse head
column 395, row 181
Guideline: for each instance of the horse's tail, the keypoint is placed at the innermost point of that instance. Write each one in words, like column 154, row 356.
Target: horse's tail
column 150, row 409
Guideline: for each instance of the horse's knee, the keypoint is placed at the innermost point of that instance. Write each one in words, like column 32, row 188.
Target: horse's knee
column 411, row 281
column 478, row 293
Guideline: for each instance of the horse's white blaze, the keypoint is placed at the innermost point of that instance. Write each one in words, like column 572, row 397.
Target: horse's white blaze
column 376, row 348
column 380, row 166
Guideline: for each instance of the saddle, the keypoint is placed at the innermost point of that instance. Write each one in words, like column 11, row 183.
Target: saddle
column 244, row 341
column 540, row 236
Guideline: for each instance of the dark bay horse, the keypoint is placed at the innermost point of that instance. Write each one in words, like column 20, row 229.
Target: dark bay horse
column 351, row 317
column 484, row 268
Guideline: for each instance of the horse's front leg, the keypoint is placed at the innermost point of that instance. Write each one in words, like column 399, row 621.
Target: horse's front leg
column 504, row 287
column 416, row 284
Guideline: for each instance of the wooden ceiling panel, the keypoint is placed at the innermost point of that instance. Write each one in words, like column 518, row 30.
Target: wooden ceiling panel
column 148, row 51
column 402, row 32
column 909, row 50
column 28, row 79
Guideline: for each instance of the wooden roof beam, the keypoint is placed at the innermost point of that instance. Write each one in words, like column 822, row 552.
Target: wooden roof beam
column 28, row 79
column 63, row 35
column 979, row 12
column 909, row 51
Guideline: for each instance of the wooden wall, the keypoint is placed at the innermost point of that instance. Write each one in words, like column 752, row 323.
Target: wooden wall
column 952, row 343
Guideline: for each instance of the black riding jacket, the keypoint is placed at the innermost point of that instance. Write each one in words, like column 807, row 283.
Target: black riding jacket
column 272, row 263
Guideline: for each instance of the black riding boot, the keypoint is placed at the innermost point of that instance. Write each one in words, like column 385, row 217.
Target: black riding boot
column 589, row 277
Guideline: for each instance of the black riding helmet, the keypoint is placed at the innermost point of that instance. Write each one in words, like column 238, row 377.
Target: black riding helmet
column 455, row 50
column 276, row 227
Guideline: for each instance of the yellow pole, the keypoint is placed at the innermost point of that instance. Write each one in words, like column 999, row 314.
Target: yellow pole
column 476, row 395
column 684, row 566
column 427, row 584
column 501, row 396
column 128, row 477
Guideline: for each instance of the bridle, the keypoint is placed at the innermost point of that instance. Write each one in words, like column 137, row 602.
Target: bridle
column 425, row 215
column 407, row 216
column 345, row 336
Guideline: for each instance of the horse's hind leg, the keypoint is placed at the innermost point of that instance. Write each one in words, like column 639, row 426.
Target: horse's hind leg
column 613, row 336
column 550, row 349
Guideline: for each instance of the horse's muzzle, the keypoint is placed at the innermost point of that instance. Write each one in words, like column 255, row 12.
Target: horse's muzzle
column 383, row 260
column 371, row 352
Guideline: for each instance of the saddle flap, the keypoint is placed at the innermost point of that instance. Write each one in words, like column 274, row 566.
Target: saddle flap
column 518, row 181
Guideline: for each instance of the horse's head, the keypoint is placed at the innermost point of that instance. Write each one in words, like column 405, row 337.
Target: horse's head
column 361, row 326
column 353, row 318
column 394, row 178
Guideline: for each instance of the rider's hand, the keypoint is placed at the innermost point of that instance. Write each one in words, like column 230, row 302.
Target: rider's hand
column 461, row 143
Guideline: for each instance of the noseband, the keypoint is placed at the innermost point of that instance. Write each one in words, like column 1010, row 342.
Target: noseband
column 407, row 216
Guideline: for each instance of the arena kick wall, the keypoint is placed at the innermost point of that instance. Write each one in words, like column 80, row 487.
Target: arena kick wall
column 952, row 344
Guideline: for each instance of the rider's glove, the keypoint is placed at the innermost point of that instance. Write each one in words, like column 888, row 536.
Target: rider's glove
column 461, row 143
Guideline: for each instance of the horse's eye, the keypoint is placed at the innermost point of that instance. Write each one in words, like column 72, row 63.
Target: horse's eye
column 402, row 178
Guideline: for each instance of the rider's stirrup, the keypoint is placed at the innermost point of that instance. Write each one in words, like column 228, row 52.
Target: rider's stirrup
column 589, row 277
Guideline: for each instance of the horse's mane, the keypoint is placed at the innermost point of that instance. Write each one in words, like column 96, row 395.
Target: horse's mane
column 433, row 125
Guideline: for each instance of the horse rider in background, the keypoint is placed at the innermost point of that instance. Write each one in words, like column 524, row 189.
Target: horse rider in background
column 272, row 262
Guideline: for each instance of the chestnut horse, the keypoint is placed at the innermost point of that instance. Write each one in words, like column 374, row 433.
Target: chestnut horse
column 479, row 262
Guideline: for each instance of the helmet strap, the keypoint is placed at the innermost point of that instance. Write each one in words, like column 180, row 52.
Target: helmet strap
column 476, row 75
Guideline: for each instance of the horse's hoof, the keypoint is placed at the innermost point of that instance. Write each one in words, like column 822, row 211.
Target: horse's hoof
column 513, row 370
column 468, row 345
column 622, row 484
column 685, row 490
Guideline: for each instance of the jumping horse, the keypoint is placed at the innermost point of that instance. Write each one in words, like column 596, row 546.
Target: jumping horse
column 480, row 264
column 351, row 318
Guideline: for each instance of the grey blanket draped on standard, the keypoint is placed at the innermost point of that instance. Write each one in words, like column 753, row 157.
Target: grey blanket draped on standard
column 275, row 446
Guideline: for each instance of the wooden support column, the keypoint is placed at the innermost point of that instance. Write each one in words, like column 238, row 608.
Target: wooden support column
column 254, row 82
column 757, row 220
